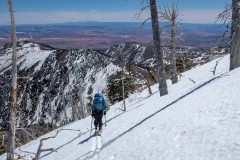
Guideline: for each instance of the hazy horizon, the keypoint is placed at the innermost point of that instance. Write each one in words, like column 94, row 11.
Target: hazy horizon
column 48, row 12
column 99, row 22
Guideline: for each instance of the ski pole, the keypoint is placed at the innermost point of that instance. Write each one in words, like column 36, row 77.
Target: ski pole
column 91, row 127
column 105, row 120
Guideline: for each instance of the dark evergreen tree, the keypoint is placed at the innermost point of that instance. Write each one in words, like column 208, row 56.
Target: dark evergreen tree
column 115, row 86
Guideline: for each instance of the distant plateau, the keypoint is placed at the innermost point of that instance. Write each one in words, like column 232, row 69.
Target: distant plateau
column 101, row 35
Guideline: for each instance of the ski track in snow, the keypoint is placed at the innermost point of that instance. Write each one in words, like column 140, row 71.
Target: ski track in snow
column 93, row 154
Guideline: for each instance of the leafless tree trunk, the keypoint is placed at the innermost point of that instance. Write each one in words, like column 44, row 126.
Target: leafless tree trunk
column 124, row 103
column 215, row 67
column 148, row 86
column 235, row 36
column 211, row 53
column 78, row 90
column 74, row 109
column 13, row 106
column 40, row 150
column 65, row 111
column 174, row 76
column 81, row 109
column 151, row 78
column 50, row 107
column 171, row 16
column 158, row 49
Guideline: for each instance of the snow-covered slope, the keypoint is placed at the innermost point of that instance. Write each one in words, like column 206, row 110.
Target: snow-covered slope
column 199, row 121
column 51, row 81
column 48, row 79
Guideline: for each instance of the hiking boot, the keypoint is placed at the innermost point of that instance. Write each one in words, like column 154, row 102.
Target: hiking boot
column 100, row 132
column 96, row 133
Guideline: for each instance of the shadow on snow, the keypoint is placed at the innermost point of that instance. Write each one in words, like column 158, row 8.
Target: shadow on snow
column 142, row 121
column 167, row 106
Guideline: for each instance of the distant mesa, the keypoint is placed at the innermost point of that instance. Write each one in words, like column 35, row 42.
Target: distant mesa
column 93, row 34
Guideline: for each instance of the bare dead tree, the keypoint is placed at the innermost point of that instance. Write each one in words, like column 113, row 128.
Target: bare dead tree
column 215, row 67
column 158, row 49
column 211, row 53
column 13, row 107
column 225, row 40
column 235, row 36
column 40, row 150
column 230, row 15
column 171, row 16
column 36, row 155
column 81, row 108
column 142, row 9
column 3, row 137
column 65, row 110
column 72, row 97
column 123, row 94
column 225, row 17
column 74, row 109
column 157, row 43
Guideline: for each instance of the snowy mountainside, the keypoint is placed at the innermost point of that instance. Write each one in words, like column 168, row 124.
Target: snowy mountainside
column 46, row 77
column 132, row 53
column 144, row 57
column 52, row 80
column 197, row 121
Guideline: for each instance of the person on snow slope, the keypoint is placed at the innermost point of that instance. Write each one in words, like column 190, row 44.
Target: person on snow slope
column 98, row 110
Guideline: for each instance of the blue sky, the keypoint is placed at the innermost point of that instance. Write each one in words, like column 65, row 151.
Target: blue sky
column 57, row 11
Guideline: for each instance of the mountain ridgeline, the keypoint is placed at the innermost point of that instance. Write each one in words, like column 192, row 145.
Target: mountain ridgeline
column 56, row 86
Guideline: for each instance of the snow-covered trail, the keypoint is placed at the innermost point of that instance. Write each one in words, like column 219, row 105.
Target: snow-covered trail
column 93, row 153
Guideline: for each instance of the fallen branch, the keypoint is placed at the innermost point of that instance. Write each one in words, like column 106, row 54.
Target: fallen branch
column 192, row 80
column 26, row 151
column 24, row 130
column 40, row 150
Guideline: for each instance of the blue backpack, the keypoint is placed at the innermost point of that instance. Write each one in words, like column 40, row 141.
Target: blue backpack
column 99, row 103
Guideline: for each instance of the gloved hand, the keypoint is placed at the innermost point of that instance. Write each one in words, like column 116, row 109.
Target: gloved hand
column 104, row 112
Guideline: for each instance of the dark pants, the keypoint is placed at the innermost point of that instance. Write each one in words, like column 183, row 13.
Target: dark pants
column 98, row 119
